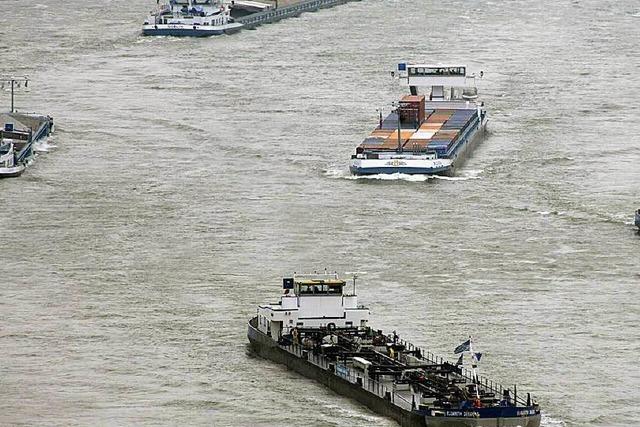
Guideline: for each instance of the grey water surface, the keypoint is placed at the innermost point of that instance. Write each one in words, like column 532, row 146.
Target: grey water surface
column 187, row 176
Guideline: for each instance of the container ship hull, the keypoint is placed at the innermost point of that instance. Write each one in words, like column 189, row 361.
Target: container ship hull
column 412, row 164
column 316, row 368
column 437, row 144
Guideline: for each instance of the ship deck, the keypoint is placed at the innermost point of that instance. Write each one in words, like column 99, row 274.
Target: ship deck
column 410, row 377
column 440, row 131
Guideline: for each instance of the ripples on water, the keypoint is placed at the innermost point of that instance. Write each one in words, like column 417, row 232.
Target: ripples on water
column 187, row 176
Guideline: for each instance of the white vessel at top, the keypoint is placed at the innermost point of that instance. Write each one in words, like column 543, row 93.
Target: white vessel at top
column 428, row 133
column 194, row 18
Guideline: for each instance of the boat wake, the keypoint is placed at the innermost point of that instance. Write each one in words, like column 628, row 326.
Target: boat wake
column 44, row 146
column 345, row 174
column 547, row 421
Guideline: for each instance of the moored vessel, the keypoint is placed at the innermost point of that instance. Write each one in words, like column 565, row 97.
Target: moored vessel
column 430, row 133
column 637, row 219
column 319, row 330
column 192, row 18
column 203, row 18
column 19, row 132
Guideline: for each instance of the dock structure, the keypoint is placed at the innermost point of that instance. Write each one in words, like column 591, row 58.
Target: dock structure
column 283, row 9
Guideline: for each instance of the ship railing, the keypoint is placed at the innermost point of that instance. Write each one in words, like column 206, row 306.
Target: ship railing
column 369, row 384
column 486, row 383
column 354, row 377
column 282, row 12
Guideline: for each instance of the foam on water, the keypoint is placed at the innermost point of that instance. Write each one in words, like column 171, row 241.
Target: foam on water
column 549, row 421
column 345, row 174
column 44, row 145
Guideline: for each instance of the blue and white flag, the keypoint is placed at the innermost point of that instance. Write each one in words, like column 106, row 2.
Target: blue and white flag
column 460, row 360
column 465, row 346
column 477, row 356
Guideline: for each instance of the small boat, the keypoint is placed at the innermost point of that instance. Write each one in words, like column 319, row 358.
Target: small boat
column 9, row 168
column 637, row 219
column 191, row 18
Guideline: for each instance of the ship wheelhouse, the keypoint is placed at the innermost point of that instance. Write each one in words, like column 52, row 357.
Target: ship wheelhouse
column 312, row 301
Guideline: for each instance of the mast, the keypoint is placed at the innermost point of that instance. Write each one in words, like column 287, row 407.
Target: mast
column 399, row 129
column 14, row 82
column 474, row 366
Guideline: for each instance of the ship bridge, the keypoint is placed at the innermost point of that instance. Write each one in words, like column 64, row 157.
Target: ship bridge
column 312, row 301
column 439, row 78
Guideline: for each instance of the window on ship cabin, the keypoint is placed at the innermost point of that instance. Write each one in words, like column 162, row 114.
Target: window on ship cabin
column 335, row 289
column 306, row 290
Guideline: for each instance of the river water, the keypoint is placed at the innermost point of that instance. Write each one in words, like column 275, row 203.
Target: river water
column 186, row 177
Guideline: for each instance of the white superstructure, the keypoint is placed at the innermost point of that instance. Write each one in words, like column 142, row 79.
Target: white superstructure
column 195, row 18
column 8, row 166
column 312, row 301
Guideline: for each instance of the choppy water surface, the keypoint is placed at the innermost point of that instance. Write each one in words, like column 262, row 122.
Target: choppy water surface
column 187, row 176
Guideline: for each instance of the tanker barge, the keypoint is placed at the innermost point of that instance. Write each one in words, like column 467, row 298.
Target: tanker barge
column 429, row 133
column 318, row 330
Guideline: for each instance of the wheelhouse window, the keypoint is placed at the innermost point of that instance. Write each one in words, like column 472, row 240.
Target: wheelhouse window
column 437, row 71
column 320, row 289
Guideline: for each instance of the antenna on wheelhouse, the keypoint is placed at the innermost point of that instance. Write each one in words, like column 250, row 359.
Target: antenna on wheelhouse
column 355, row 276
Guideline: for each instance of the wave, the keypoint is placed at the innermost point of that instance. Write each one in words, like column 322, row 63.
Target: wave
column 44, row 145
column 345, row 174
column 547, row 421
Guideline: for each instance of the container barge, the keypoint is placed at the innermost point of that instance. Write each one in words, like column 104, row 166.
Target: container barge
column 429, row 133
column 318, row 330
column 204, row 18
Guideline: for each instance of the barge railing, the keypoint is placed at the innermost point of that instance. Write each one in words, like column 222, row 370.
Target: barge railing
column 373, row 386
column 273, row 15
column 466, row 373
column 385, row 392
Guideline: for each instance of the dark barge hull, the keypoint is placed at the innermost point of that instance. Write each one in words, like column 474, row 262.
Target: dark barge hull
column 265, row 347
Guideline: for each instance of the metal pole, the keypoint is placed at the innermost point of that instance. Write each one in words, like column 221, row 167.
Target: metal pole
column 12, row 84
column 399, row 140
